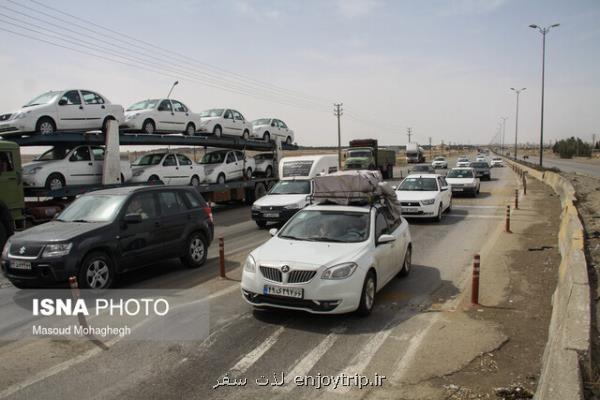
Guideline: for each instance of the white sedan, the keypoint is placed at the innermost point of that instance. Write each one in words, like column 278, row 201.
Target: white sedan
column 463, row 162
column 69, row 165
column 463, row 180
column 439, row 163
column 264, row 164
column 221, row 166
column 328, row 259
column 270, row 128
column 219, row 121
column 497, row 162
column 170, row 168
column 62, row 110
column 160, row 115
column 424, row 196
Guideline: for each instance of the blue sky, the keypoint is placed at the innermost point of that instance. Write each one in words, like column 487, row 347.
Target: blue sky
column 441, row 67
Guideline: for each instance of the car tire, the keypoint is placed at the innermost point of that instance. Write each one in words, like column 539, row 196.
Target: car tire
column 45, row 125
column 122, row 179
column 105, row 123
column 195, row 251
column 407, row 263
column 153, row 179
column 269, row 172
column 246, row 135
column 221, row 179
column 190, row 129
column 195, row 181
column 367, row 297
column 288, row 140
column 261, row 224
column 218, row 131
column 148, row 127
column 439, row 216
column 96, row 271
column 267, row 137
column 55, row 181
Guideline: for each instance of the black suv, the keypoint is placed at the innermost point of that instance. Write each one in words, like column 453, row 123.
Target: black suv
column 482, row 170
column 107, row 232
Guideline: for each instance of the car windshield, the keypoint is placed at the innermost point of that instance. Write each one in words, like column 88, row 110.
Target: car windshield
column 215, row 112
column 463, row 160
column 439, row 159
column 327, row 226
column 421, row 168
column 291, row 187
column 216, row 157
column 359, row 153
column 479, row 165
column 143, row 105
column 55, row 153
column 93, row 208
column 263, row 121
column 148, row 159
column 45, row 98
column 460, row 173
column 419, row 184
column 263, row 157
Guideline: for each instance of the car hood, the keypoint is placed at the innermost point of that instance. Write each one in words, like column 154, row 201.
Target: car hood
column 56, row 231
column 208, row 118
column 261, row 126
column 407, row 195
column 305, row 254
column 132, row 112
column 30, row 109
column 280, row 199
column 33, row 164
column 460, row 180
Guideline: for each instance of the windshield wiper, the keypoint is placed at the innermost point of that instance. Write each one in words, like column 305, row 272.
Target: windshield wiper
column 291, row 237
column 30, row 105
column 324, row 239
column 80, row 220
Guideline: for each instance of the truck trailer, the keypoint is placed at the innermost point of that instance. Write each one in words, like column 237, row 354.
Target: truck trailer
column 415, row 154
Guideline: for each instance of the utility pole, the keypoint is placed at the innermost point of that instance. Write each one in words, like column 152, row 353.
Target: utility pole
column 338, row 111
column 503, row 130
column 518, row 92
column 430, row 149
column 409, row 133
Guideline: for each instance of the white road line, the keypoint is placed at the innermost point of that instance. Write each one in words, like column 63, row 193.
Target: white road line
column 307, row 363
column 469, row 206
column 249, row 359
column 472, row 216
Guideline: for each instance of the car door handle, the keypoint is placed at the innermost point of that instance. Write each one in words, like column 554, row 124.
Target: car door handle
column 176, row 167
column 81, row 107
column 90, row 163
column 103, row 106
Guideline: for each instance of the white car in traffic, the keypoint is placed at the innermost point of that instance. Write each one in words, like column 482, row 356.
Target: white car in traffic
column 463, row 163
column 69, row 165
column 463, row 180
column 264, row 164
column 160, row 115
column 73, row 109
column 497, row 162
column 439, row 163
column 328, row 259
column 220, row 121
column 169, row 168
column 424, row 196
column 221, row 166
column 268, row 129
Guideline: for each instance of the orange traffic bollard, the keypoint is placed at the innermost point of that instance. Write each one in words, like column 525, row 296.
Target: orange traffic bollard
column 475, row 280
column 222, row 258
column 507, row 227
column 516, row 199
column 525, row 184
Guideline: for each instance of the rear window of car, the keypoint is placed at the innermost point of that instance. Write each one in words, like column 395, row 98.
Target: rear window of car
column 479, row 165
column 193, row 201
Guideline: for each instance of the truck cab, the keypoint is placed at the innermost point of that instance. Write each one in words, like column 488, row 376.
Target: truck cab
column 366, row 154
column 12, row 199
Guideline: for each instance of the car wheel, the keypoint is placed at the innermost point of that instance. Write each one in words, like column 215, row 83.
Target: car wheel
column 217, row 131
column 267, row 137
column 246, row 135
column 96, row 271
column 190, row 129
column 148, row 127
column 55, row 181
column 367, row 298
column 45, row 126
column 221, row 178
column 105, row 123
column 261, row 224
column 195, row 254
column 269, row 172
column 288, row 140
column 122, row 179
column 153, row 179
column 195, row 181
column 438, row 217
column 248, row 173
column 407, row 264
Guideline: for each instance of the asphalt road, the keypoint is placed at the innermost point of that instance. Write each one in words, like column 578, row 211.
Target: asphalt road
column 251, row 344
column 591, row 168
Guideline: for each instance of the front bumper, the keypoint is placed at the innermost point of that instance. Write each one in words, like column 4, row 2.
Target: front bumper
column 484, row 175
column 278, row 215
column 419, row 211
column 132, row 124
column 456, row 190
column 14, row 127
column 321, row 296
column 33, row 181
column 43, row 272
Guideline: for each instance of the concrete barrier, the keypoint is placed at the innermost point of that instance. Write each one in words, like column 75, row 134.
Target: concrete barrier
column 566, row 360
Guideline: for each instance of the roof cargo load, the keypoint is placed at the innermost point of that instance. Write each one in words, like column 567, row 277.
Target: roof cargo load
column 358, row 186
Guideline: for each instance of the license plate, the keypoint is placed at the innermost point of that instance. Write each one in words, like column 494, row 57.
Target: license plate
column 297, row 293
column 272, row 215
column 409, row 209
column 457, row 189
column 20, row 265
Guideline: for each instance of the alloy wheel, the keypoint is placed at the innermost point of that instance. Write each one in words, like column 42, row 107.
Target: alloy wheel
column 97, row 274
column 197, row 249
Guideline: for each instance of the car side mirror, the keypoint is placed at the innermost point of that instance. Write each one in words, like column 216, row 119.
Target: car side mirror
column 444, row 188
column 62, row 102
column 385, row 239
column 273, row 231
column 132, row 218
column 273, row 124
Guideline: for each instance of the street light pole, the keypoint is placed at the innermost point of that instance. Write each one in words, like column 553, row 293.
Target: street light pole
column 337, row 111
column 172, row 87
column 503, row 131
column 518, row 92
column 543, row 31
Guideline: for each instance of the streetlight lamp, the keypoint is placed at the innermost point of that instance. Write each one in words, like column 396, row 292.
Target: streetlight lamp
column 172, row 87
column 543, row 31
column 517, row 117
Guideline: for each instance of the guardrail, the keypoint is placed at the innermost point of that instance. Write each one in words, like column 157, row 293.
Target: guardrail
column 566, row 360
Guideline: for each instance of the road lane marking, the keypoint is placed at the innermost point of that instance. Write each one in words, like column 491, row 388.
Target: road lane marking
column 307, row 363
column 470, row 206
column 249, row 359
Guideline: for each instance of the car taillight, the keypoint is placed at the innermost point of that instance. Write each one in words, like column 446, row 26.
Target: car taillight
column 208, row 212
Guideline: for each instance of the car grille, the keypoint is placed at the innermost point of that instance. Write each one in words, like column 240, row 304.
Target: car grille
column 410, row 203
column 25, row 250
column 457, row 185
column 294, row 276
column 354, row 166
column 5, row 117
column 271, row 208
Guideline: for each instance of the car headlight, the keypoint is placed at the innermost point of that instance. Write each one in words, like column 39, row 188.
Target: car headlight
column 250, row 264
column 20, row 115
column 31, row 171
column 340, row 271
column 255, row 208
column 5, row 249
column 57, row 250
column 428, row 202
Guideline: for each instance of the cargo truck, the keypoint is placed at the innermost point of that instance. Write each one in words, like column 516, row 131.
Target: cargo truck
column 12, row 201
column 414, row 153
column 365, row 154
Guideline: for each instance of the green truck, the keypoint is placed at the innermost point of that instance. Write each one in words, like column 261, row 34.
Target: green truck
column 365, row 154
column 12, row 201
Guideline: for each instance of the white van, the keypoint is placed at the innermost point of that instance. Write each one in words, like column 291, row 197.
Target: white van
column 292, row 192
